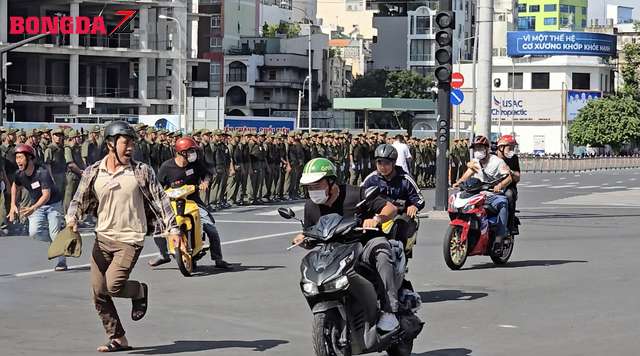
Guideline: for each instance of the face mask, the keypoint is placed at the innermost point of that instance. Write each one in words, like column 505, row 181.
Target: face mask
column 509, row 154
column 318, row 196
column 192, row 157
column 479, row 155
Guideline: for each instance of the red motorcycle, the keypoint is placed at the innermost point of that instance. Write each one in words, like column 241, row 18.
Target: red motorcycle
column 471, row 231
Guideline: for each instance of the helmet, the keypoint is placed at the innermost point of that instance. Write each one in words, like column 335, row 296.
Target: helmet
column 316, row 169
column 185, row 144
column 480, row 141
column 387, row 152
column 25, row 149
column 119, row 128
column 507, row 140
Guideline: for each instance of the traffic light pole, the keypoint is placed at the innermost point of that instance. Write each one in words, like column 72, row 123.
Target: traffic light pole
column 444, row 63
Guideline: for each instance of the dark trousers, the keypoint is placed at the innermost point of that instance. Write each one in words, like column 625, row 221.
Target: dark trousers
column 111, row 264
column 512, row 197
column 257, row 180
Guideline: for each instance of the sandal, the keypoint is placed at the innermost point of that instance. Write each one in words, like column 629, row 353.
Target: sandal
column 114, row 346
column 139, row 309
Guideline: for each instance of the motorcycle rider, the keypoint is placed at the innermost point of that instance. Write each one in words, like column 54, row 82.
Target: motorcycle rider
column 507, row 151
column 327, row 197
column 488, row 168
column 186, row 169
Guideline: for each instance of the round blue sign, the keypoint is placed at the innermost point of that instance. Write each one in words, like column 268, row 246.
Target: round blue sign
column 456, row 97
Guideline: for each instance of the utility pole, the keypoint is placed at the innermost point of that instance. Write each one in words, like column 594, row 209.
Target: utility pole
column 445, row 23
column 485, row 63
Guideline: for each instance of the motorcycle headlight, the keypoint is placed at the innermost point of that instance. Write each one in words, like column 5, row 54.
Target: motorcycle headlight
column 467, row 208
column 309, row 288
column 336, row 284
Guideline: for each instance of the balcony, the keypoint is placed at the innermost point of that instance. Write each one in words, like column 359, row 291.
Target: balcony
column 278, row 84
column 273, row 105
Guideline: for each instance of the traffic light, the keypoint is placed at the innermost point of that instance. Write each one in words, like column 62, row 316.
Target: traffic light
column 445, row 22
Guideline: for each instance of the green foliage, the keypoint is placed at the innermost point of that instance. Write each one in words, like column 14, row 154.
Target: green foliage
column 284, row 28
column 614, row 120
column 370, row 85
column 408, row 85
column 630, row 70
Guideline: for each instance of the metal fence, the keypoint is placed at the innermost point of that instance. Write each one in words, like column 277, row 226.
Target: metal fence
column 577, row 164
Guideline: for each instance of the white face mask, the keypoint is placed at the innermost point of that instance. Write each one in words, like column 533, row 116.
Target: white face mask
column 192, row 157
column 479, row 155
column 318, row 196
column 509, row 154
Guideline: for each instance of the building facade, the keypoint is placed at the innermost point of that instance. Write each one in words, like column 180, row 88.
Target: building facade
column 552, row 15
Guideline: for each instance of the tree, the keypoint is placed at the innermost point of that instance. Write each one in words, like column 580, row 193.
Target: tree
column 370, row 85
column 613, row 121
column 630, row 70
column 408, row 85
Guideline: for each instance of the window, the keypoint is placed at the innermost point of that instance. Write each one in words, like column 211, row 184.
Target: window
column 522, row 7
column 550, row 21
column 534, row 8
column 527, row 23
column 564, row 21
column 420, row 50
column 539, row 80
column 272, row 75
column 515, row 81
column 568, row 9
column 237, row 72
column 584, row 11
column 215, row 42
column 423, row 23
column 422, row 70
column 550, row 8
column 215, row 21
column 214, row 79
column 411, row 24
column 583, row 23
column 581, row 81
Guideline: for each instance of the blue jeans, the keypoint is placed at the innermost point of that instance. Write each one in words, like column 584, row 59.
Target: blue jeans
column 45, row 223
column 501, row 204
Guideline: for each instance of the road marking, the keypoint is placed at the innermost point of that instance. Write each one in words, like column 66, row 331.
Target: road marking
column 507, row 326
column 255, row 222
column 632, row 179
column 546, row 180
column 619, row 182
column 561, row 186
column 275, row 212
column 615, row 187
column 573, row 183
column 576, row 175
column 588, row 187
column 75, row 267
column 563, row 178
column 538, row 186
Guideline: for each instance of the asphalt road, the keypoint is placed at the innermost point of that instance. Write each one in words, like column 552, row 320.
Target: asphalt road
column 570, row 289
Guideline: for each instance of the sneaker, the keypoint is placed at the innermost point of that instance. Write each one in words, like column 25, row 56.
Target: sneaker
column 388, row 322
column 222, row 264
column 60, row 267
column 158, row 261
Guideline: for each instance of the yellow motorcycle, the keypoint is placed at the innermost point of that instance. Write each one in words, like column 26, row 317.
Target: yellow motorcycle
column 402, row 228
column 189, row 248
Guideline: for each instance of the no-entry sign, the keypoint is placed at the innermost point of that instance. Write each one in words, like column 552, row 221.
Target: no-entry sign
column 457, row 80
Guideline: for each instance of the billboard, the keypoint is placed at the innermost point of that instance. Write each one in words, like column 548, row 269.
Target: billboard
column 576, row 100
column 168, row 121
column 551, row 43
column 522, row 105
column 259, row 124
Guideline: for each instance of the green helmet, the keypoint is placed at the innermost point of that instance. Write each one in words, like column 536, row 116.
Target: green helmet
column 316, row 169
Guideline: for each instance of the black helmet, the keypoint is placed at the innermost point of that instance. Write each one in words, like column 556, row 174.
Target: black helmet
column 119, row 128
column 387, row 152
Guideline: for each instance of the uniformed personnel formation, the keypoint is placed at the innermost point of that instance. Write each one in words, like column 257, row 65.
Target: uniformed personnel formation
column 249, row 168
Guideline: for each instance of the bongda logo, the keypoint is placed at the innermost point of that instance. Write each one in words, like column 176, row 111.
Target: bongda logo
column 69, row 25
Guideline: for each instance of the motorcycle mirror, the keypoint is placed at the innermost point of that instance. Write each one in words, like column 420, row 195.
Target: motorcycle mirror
column 371, row 193
column 286, row 213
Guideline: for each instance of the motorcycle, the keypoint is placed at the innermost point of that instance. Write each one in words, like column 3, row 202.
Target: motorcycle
column 343, row 292
column 189, row 248
column 402, row 228
column 471, row 231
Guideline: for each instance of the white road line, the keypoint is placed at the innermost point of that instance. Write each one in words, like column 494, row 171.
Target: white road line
column 561, row 186
column 619, row 182
column 576, row 175
column 538, row 186
column 275, row 212
column 632, row 179
column 546, row 180
column 563, row 178
column 507, row 326
column 588, row 187
column 255, row 222
column 615, row 187
column 573, row 183
column 262, row 237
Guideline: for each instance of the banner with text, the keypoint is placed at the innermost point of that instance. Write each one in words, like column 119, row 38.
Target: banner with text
column 259, row 124
column 522, row 43
column 576, row 100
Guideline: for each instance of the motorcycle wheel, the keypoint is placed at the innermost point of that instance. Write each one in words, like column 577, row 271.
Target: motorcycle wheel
column 185, row 263
column 455, row 252
column 507, row 250
column 403, row 348
column 326, row 333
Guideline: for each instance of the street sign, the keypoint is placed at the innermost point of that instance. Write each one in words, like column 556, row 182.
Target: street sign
column 457, row 79
column 456, row 97
column 91, row 102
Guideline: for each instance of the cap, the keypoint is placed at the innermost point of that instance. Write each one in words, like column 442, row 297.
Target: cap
column 33, row 132
column 205, row 132
column 139, row 126
column 197, row 133
column 58, row 131
column 95, row 129
column 151, row 130
column 73, row 133
column 11, row 131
